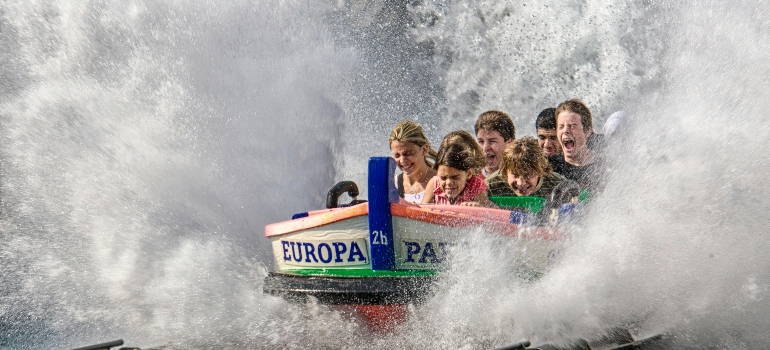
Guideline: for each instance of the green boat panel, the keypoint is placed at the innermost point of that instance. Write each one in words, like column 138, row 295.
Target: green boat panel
column 585, row 196
column 532, row 204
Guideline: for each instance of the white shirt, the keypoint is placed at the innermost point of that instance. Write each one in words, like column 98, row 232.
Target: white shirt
column 415, row 198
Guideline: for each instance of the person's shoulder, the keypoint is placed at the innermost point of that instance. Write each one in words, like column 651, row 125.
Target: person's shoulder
column 550, row 181
column 497, row 185
column 494, row 177
column 599, row 163
column 554, row 177
column 557, row 162
column 478, row 179
column 476, row 184
column 596, row 142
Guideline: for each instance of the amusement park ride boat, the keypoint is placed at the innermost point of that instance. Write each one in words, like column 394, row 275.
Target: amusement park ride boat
column 376, row 257
column 387, row 251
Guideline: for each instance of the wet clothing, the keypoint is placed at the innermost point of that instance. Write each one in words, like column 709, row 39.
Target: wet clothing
column 589, row 176
column 496, row 186
column 546, row 185
column 596, row 142
column 409, row 197
column 415, row 198
column 473, row 187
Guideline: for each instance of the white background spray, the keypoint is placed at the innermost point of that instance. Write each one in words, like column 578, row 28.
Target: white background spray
column 145, row 144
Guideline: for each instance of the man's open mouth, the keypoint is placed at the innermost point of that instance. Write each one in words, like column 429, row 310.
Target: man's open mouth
column 568, row 144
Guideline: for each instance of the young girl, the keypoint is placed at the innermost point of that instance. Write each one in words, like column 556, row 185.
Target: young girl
column 465, row 139
column 455, row 182
column 414, row 156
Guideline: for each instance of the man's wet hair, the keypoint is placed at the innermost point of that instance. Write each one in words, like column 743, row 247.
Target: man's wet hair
column 496, row 121
column 578, row 107
column 546, row 119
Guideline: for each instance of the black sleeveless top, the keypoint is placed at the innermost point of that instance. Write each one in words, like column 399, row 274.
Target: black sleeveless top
column 400, row 184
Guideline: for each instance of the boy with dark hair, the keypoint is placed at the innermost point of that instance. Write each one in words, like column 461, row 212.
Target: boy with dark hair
column 574, row 126
column 494, row 130
column 545, row 126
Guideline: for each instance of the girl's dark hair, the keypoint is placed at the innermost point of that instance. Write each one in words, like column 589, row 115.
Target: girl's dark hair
column 463, row 138
column 459, row 157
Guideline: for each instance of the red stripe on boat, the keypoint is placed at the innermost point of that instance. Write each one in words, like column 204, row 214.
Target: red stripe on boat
column 496, row 220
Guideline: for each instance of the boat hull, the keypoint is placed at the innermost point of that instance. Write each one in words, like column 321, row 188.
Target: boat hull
column 387, row 251
column 381, row 290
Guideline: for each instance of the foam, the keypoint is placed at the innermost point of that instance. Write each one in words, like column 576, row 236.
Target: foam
column 144, row 146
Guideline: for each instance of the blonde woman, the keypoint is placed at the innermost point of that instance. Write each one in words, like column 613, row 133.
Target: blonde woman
column 414, row 157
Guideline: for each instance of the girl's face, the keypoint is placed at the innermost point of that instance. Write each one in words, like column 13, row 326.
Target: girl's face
column 451, row 180
column 521, row 185
column 409, row 158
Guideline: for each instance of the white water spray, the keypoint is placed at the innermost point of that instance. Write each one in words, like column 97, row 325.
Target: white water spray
column 676, row 242
column 146, row 144
column 144, row 147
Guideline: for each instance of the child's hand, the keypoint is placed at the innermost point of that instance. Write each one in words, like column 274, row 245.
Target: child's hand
column 470, row 204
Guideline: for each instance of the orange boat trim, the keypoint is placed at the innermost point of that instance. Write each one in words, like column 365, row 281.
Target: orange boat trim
column 318, row 218
column 458, row 216
column 444, row 215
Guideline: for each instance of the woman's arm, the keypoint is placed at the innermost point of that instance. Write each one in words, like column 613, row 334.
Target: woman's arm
column 428, row 197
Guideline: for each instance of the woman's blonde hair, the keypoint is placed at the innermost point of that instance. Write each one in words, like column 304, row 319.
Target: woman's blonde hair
column 409, row 131
column 524, row 158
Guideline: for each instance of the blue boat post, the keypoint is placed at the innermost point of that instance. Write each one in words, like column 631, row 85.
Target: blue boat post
column 382, row 192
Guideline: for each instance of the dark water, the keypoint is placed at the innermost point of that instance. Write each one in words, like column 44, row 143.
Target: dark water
column 144, row 145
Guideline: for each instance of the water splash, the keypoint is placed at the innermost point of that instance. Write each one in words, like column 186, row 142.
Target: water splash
column 146, row 144
column 522, row 57
column 144, row 147
column 676, row 242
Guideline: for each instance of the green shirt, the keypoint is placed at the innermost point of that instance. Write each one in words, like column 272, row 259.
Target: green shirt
column 497, row 185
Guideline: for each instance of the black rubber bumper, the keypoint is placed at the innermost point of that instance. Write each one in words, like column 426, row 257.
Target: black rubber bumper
column 337, row 290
